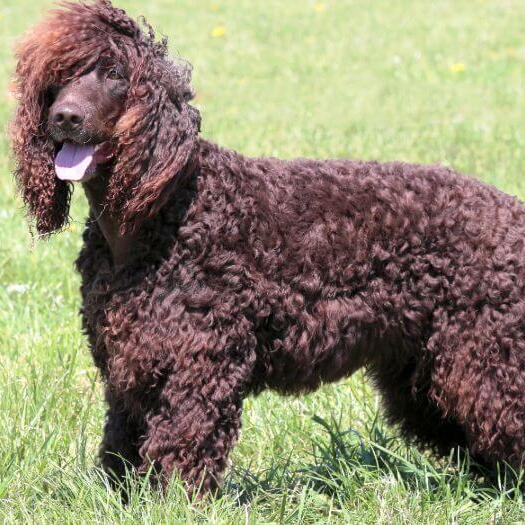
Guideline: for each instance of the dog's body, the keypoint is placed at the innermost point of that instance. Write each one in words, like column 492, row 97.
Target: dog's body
column 245, row 274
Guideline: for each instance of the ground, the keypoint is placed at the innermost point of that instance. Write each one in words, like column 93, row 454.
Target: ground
column 398, row 79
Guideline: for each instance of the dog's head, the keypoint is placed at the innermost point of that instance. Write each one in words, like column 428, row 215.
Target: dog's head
column 98, row 96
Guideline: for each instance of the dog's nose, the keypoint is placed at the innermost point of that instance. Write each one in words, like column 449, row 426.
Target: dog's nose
column 68, row 117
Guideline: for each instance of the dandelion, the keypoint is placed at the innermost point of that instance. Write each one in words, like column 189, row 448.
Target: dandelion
column 215, row 7
column 218, row 32
column 458, row 67
column 319, row 8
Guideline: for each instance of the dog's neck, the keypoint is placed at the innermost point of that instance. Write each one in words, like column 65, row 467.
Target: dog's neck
column 120, row 245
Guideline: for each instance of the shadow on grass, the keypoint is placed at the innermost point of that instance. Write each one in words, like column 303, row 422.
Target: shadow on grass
column 344, row 462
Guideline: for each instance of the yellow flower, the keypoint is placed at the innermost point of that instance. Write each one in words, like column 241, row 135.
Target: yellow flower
column 215, row 7
column 218, row 32
column 458, row 67
column 319, row 8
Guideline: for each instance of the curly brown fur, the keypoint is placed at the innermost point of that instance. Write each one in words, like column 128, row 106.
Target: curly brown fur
column 243, row 274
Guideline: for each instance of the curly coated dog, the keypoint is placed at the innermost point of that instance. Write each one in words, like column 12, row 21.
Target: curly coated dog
column 208, row 276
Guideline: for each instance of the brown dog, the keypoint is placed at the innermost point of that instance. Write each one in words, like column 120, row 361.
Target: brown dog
column 208, row 276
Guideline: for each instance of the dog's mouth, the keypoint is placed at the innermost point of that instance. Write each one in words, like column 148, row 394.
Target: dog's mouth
column 78, row 162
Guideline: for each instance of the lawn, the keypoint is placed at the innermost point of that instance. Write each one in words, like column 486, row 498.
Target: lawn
column 412, row 80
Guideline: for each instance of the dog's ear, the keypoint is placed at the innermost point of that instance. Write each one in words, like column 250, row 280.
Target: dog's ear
column 157, row 141
column 45, row 196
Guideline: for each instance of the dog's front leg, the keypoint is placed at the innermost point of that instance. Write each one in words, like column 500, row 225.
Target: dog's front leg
column 119, row 451
column 197, row 420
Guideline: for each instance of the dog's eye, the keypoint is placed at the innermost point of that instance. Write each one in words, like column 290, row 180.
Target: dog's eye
column 114, row 74
column 52, row 92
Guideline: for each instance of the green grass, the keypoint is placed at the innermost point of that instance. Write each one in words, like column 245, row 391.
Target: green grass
column 346, row 78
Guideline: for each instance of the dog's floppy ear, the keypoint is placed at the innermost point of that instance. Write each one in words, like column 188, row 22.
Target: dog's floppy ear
column 46, row 197
column 157, row 140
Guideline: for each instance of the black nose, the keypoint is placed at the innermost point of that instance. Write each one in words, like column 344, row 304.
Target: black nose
column 68, row 117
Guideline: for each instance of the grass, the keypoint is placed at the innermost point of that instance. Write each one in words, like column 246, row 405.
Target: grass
column 398, row 79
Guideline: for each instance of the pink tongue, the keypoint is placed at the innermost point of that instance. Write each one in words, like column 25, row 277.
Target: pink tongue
column 74, row 161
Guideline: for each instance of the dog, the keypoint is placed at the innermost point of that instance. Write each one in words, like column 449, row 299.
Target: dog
column 208, row 276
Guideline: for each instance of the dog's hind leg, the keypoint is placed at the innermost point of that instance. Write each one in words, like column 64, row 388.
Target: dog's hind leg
column 408, row 405
column 482, row 385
